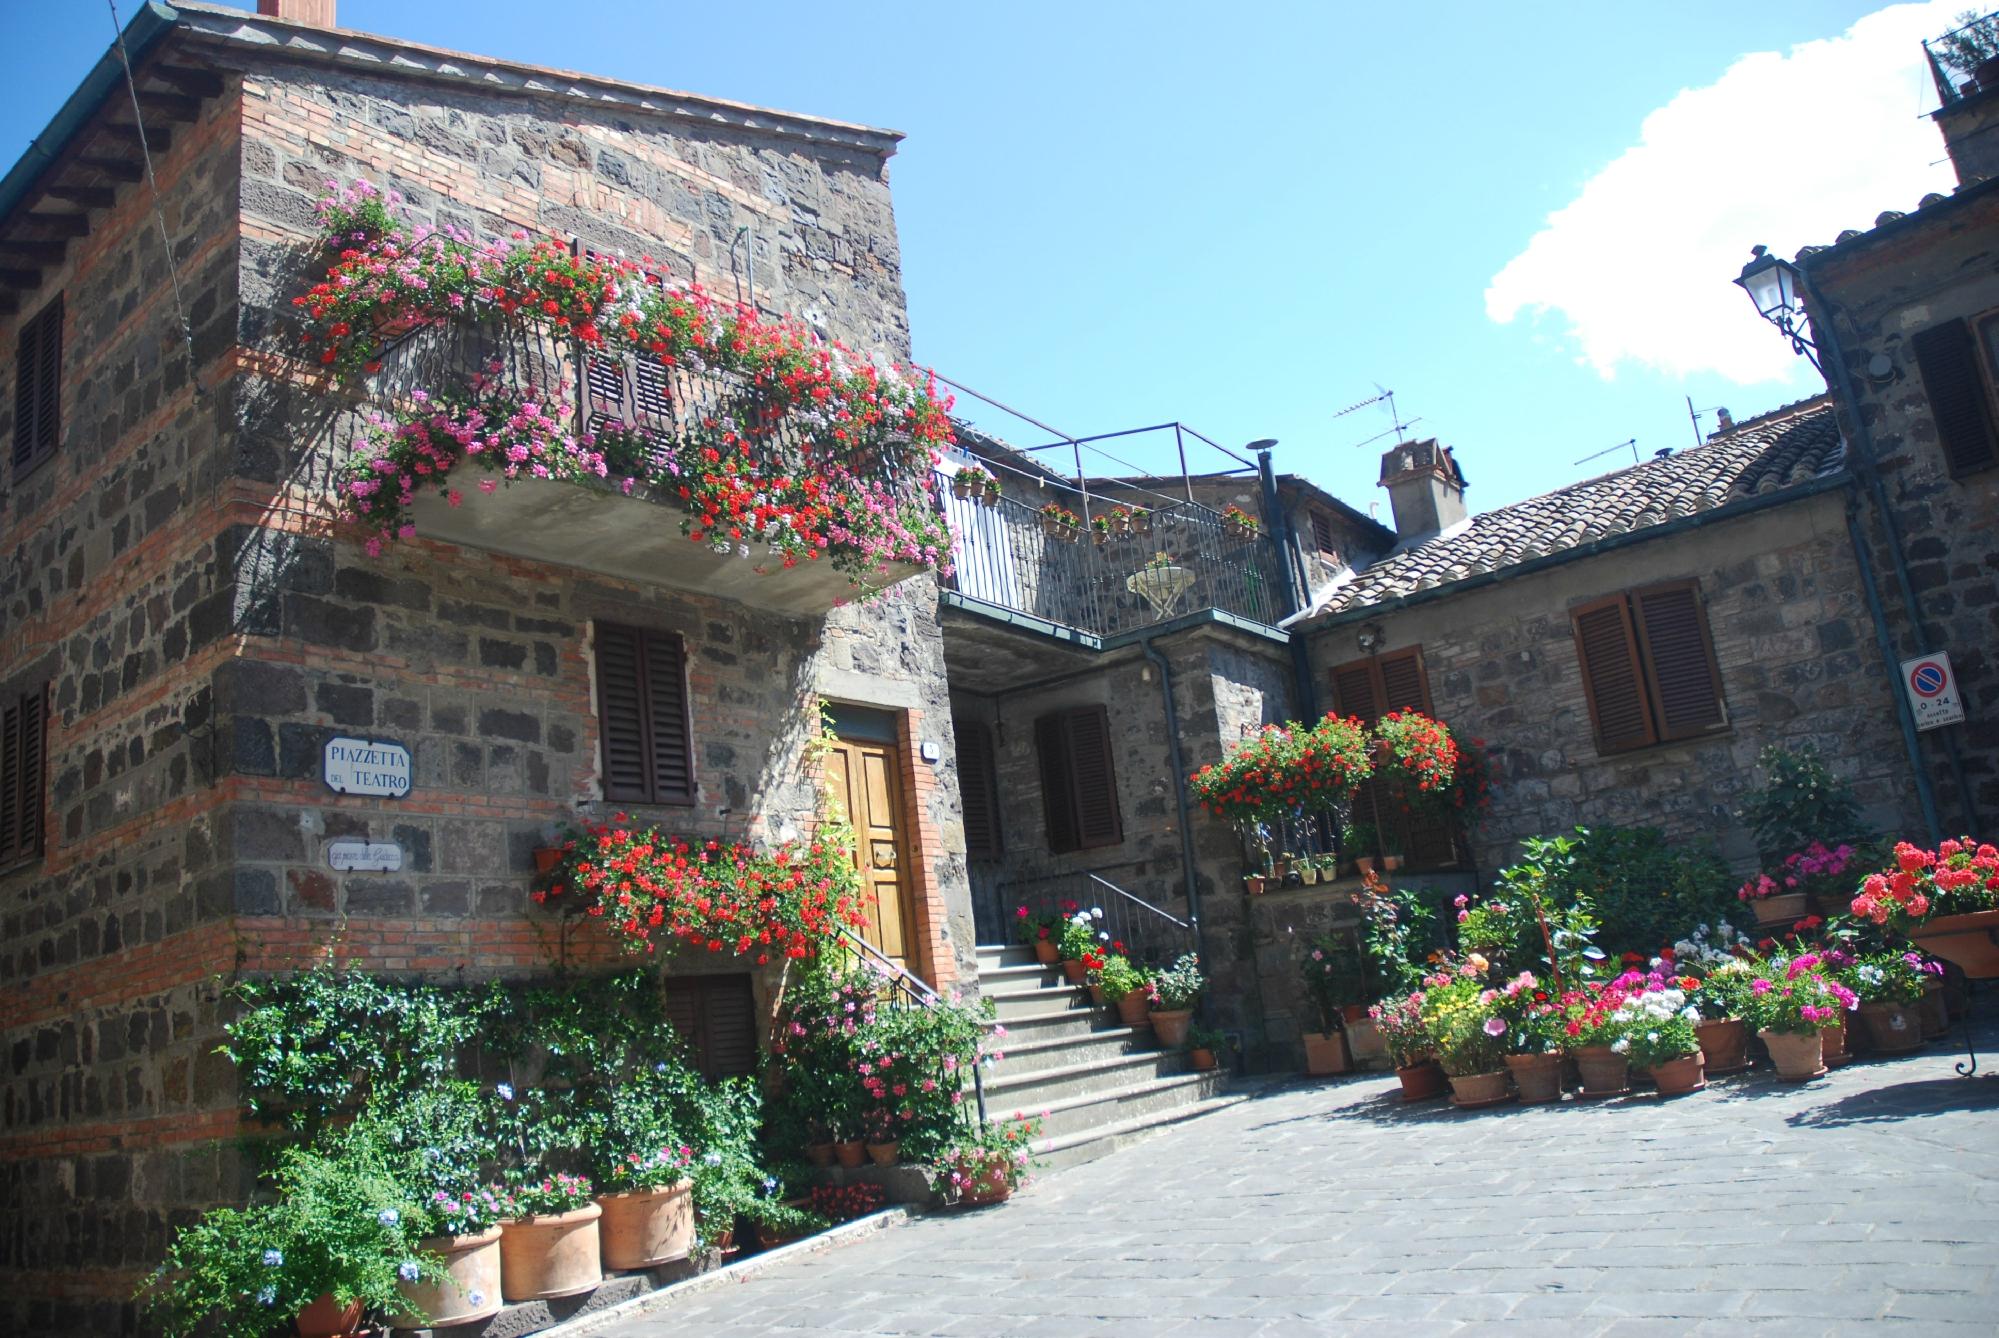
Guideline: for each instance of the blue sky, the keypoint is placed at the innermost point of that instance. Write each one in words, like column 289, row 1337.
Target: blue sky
column 1245, row 217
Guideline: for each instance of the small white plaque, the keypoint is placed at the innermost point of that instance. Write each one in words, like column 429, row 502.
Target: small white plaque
column 365, row 856
column 363, row 766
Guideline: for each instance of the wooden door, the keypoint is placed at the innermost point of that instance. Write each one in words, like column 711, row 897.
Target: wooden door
column 867, row 780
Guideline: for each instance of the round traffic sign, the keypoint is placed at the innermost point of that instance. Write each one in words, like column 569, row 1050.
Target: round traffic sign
column 1928, row 678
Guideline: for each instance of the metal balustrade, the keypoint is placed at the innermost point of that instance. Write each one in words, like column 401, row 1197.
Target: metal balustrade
column 1151, row 935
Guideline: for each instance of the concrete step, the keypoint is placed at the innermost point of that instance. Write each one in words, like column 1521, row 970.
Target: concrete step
column 1066, row 1150
column 1092, row 1076
column 1057, row 1020
column 1021, row 975
column 1031, row 1000
column 1002, row 954
column 1029, row 1051
column 1078, row 1114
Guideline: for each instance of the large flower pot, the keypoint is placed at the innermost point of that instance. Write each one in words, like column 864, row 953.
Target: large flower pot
column 1832, row 1051
column 1783, row 910
column 1935, row 1012
column 326, row 1318
column 1891, row 1028
column 1677, row 1077
column 1469, row 1091
column 1076, row 971
column 647, row 1226
column 885, row 1154
column 1135, row 1009
column 850, row 1153
column 1725, row 1042
column 1364, row 1041
column 1045, row 951
column 1604, row 1072
column 1325, row 1053
column 989, row 1185
column 1538, row 1078
column 1968, row 941
column 1170, row 1025
column 1799, row 1056
column 469, row 1289
column 549, row 1256
column 1423, row 1081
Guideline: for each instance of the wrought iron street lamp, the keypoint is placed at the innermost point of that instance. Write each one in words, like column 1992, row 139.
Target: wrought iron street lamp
column 1777, row 289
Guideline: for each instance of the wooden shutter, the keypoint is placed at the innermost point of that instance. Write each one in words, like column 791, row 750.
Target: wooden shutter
column 643, row 715
column 717, row 1017
column 1948, row 359
column 980, row 789
column 1373, row 687
column 38, row 387
column 1356, row 691
column 1613, row 684
column 1322, row 534
column 1679, row 660
column 1058, row 791
column 23, row 756
column 1078, row 779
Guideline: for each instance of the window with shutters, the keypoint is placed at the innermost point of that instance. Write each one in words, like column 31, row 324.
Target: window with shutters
column 38, row 388
column 1370, row 689
column 1324, row 538
column 1648, row 667
column 642, row 714
column 717, row 1017
column 979, row 787
column 1078, row 781
column 23, row 763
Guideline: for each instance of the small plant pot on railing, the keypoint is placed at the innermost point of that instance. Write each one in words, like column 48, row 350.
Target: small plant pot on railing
column 469, row 1289
column 990, row 494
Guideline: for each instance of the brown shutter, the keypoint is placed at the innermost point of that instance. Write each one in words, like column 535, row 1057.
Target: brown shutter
column 1356, row 691
column 1404, row 684
column 1098, row 820
column 38, row 387
column 717, row 1017
column 1679, row 660
column 23, row 753
column 1948, row 359
column 10, row 779
column 1612, row 683
column 1322, row 534
column 976, row 783
column 643, row 715
column 1058, row 794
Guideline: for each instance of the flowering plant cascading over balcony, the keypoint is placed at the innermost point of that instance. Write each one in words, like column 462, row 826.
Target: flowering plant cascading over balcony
column 761, row 434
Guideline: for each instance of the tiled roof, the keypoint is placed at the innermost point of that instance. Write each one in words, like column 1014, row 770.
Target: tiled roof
column 1777, row 451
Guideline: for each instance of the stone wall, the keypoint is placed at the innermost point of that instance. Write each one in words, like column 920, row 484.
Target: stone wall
column 1882, row 293
column 1792, row 638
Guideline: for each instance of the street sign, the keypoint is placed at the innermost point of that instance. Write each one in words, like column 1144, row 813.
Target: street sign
column 365, row 856
column 1932, row 689
column 359, row 766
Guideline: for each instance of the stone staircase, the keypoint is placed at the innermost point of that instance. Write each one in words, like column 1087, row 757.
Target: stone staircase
column 1102, row 1084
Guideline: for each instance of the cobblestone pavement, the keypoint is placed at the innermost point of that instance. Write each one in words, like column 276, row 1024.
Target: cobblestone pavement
column 1868, row 1197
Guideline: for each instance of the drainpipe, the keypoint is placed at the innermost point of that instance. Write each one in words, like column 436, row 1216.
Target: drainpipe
column 1297, row 587
column 1841, row 381
column 1925, row 793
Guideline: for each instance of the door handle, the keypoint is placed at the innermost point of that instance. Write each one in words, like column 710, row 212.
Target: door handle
column 883, row 855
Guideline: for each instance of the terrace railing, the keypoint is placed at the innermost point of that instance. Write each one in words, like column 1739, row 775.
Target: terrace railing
column 1151, row 934
column 1955, row 56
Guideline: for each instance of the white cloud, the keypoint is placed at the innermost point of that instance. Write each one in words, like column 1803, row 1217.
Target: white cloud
column 1787, row 150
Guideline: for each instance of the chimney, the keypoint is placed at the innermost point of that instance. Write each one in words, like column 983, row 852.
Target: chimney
column 313, row 13
column 1970, row 129
column 1424, row 486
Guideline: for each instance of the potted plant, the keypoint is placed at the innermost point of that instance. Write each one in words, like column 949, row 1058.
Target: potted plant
column 1141, row 520
column 1946, row 901
column 1357, row 842
column 1469, row 1037
column 878, row 1132
column 970, row 481
column 1094, row 961
column 982, row 1166
column 1890, row 985
column 1596, row 1037
column 1533, row 1039
column 1039, row 931
column 1079, row 934
column 648, row 1211
column 441, row 1141
column 1723, row 1001
column 1771, row 901
column 992, row 491
column 1972, row 49
column 1335, row 974
column 1128, row 986
column 1203, row 1044
column 1175, row 991
column 1407, row 1036
column 1666, row 1047
column 1058, row 522
column 1391, row 849
column 1791, row 1003
column 1238, row 523
column 549, row 1246
column 1120, row 520
column 332, row 1249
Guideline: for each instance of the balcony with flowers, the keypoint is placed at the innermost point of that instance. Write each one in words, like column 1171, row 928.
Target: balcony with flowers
column 525, row 398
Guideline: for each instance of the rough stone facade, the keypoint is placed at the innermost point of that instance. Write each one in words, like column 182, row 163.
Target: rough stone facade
column 172, row 575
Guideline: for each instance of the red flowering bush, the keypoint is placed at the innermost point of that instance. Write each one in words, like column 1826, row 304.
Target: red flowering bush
column 843, row 1203
column 711, row 895
column 1285, row 769
column 1422, row 757
column 1959, row 877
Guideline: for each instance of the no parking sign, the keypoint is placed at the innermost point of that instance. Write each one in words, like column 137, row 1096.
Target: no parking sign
column 1932, row 689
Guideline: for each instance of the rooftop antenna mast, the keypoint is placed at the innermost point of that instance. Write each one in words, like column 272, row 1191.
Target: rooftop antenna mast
column 1382, row 395
column 1695, row 415
column 1631, row 445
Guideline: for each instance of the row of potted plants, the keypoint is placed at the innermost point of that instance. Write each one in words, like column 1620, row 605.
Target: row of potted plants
column 972, row 483
column 1162, row 998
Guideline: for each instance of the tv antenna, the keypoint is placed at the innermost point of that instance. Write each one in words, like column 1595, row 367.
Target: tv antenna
column 1695, row 416
column 1631, row 445
column 1382, row 395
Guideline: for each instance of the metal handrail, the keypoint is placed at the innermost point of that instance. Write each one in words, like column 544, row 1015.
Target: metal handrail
column 1147, row 930
column 911, row 989
column 1161, row 912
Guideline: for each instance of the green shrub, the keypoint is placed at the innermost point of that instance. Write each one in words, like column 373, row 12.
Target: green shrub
column 1644, row 893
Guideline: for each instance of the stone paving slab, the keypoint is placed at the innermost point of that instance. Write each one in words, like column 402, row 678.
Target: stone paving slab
column 1866, row 1200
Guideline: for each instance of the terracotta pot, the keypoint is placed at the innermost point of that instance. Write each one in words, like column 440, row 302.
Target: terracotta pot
column 1604, row 1072
column 1677, row 1077
column 1936, row 1013
column 1422, row 1082
column 991, row 496
column 1135, row 1009
column 647, row 1226
column 325, row 1318
column 1364, row 1040
column 1141, row 522
column 1783, row 910
column 962, row 487
column 1201, row 1060
column 850, row 1152
column 724, row 1242
column 1364, row 863
column 1725, row 1043
column 1892, row 1028
column 1045, row 951
column 1075, row 971
column 1799, row 1056
column 1170, row 1025
column 1469, row 1091
column 1833, row 1045
column 469, row 1290
column 553, row 1255
column 989, row 1186
column 1054, row 528
column 819, row 1154
column 1354, row 1013
column 1254, row 884
column 1390, row 863
column 546, row 858
column 1326, row 1053
column 885, row 1154
column 1096, row 993
column 1537, row 1077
